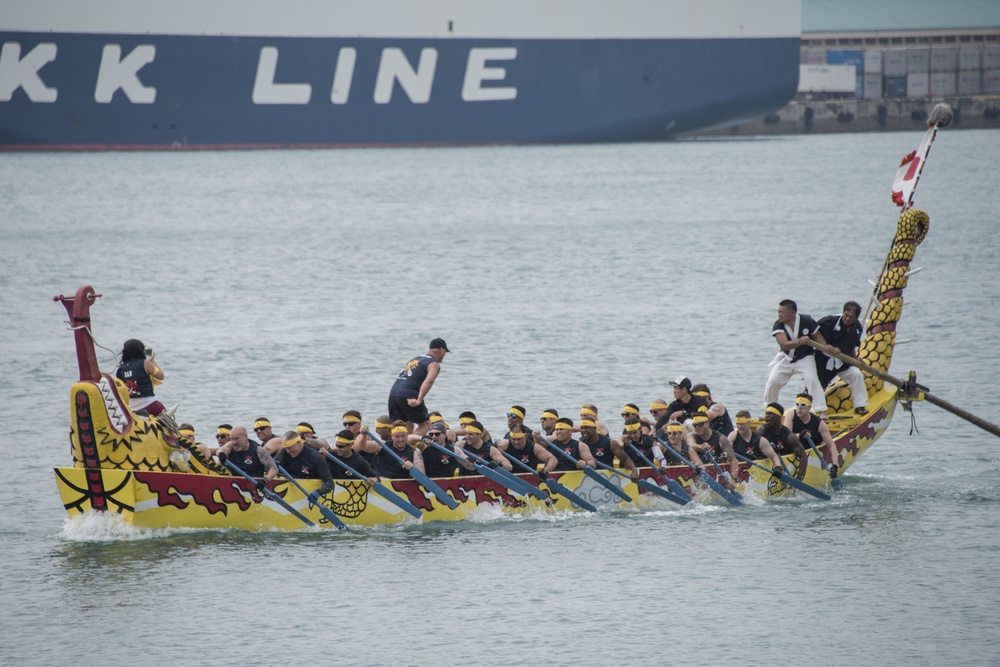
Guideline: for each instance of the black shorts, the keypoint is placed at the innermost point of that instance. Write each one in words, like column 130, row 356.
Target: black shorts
column 399, row 409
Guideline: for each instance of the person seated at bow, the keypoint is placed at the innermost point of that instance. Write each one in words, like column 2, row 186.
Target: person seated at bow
column 139, row 372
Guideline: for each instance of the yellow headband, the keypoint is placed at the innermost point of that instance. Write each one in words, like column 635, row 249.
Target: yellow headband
column 699, row 419
column 674, row 428
column 588, row 422
column 803, row 399
column 260, row 423
column 472, row 429
column 657, row 406
column 632, row 428
column 462, row 421
column 399, row 429
column 379, row 424
column 186, row 432
column 344, row 441
column 351, row 419
column 563, row 427
column 302, row 429
column 224, row 431
column 291, row 442
column 587, row 411
column 435, row 419
column 628, row 409
column 548, row 415
column 703, row 394
column 742, row 420
column 515, row 411
column 518, row 436
column 703, row 408
column 774, row 411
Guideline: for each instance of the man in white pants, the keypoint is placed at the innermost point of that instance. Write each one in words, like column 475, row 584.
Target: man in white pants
column 843, row 333
column 791, row 332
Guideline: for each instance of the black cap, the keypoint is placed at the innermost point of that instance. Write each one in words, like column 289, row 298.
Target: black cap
column 439, row 344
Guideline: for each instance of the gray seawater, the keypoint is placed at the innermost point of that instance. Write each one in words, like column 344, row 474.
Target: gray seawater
column 296, row 284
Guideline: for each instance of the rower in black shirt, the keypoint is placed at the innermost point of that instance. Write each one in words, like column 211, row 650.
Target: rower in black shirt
column 684, row 406
column 343, row 449
column 436, row 462
column 578, row 450
column 781, row 439
column 749, row 444
column 476, row 444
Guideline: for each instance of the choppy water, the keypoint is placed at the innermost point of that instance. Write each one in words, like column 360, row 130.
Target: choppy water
column 295, row 284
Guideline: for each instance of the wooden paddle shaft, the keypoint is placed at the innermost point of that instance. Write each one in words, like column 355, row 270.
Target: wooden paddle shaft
column 989, row 427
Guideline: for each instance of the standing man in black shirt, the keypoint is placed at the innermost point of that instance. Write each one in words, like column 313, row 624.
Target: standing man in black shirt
column 406, row 398
column 843, row 333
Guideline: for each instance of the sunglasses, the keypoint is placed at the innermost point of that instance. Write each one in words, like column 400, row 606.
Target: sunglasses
column 511, row 415
column 433, row 433
column 261, row 428
column 343, row 446
column 350, row 424
column 802, row 405
column 220, row 437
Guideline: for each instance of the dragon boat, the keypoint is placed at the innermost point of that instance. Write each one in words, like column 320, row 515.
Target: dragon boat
column 143, row 469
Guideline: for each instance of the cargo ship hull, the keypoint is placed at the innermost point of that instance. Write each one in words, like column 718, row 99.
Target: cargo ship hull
column 66, row 89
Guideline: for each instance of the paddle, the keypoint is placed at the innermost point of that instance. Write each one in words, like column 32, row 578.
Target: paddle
column 270, row 495
column 323, row 509
column 787, row 479
column 834, row 482
column 911, row 391
column 703, row 476
column 380, row 489
column 555, row 486
column 588, row 471
column 674, row 487
column 646, row 486
column 511, row 483
column 420, row 477
column 723, row 474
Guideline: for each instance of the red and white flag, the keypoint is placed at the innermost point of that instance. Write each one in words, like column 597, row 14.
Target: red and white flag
column 909, row 171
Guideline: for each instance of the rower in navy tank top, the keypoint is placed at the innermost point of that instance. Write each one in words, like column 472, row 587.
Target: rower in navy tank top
column 780, row 438
column 248, row 460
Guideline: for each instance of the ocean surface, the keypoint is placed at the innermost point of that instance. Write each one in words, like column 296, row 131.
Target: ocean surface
column 295, row 285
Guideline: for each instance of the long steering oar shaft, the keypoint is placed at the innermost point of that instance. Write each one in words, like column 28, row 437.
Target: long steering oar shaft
column 323, row 509
column 553, row 485
column 910, row 388
column 380, row 489
column 588, row 471
column 273, row 497
column 422, row 479
column 703, row 476
column 788, row 479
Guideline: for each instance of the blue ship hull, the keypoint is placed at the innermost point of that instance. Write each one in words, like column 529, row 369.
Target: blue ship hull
column 67, row 91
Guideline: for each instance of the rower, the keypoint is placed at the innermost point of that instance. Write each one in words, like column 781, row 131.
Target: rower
column 718, row 416
column 708, row 440
column 343, row 449
column 466, row 418
column 436, row 462
column 303, row 462
column 578, row 450
column 475, row 443
column 523, row 447
column 187, row 432
column 308, row 435
column 385, row 465
column 515, row 421
column 589, row 411
column 351, row 421
column 647, row 445
column 781, row 438
column 549, row 418
column 248, row 455
column 805, row 424
column 658, row 408
column 262, row 429
column 749, row 444
column 222, row 435
column 677, row 438
column 604, row 449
